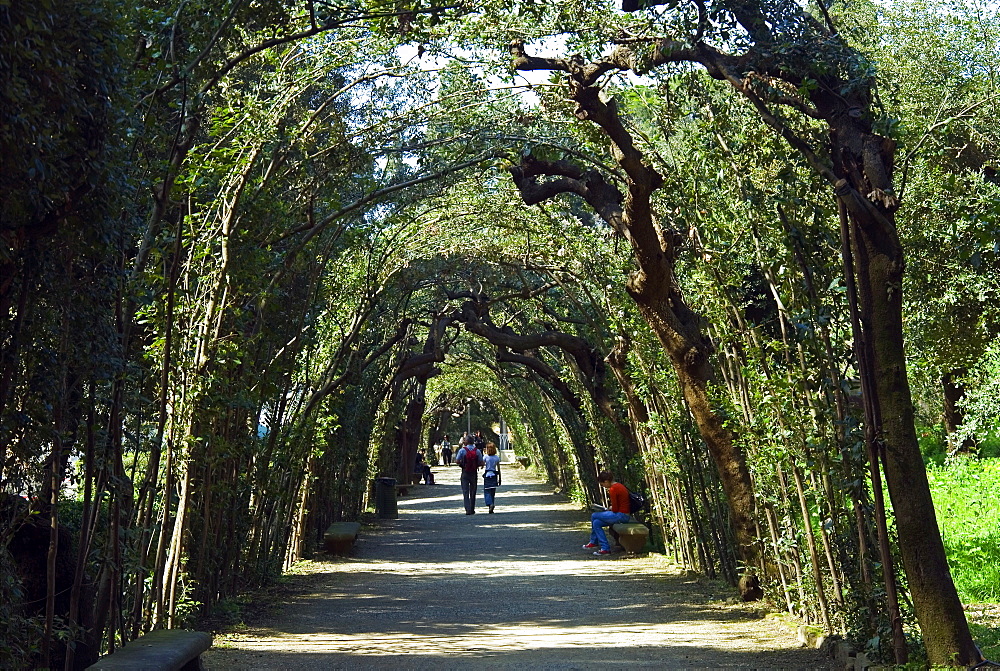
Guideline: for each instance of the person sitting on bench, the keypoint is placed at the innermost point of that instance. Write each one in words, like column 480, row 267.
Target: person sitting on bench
column 618, row 514
column 422, row 468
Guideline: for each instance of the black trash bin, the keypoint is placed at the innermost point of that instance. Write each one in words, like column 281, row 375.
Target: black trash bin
column 385, row 498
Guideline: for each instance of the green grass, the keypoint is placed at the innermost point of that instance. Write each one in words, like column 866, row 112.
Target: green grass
column 966, row 496
column 932, row 445
column 934, row 448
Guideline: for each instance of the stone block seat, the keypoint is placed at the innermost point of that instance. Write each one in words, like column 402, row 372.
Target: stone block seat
column 631, row 536
column 339, row 538
column 160, row 650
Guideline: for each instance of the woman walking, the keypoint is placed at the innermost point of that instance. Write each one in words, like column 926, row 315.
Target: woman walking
column 491, row 475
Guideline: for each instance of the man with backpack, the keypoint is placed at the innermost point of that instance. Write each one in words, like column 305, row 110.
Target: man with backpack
column 619, row 513
column 469, row 459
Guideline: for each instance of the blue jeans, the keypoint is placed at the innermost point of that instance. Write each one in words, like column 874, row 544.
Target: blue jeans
column 601, row 519
column 489, row 494
column 470, row 483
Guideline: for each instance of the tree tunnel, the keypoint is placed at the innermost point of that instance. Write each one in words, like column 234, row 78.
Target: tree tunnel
column 255, row 255
column 486, row 362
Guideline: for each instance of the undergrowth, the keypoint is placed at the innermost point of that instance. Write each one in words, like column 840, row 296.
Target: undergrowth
column 968, row 510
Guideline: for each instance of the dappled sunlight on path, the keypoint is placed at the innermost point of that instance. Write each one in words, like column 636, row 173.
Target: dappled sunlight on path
column 438, row 589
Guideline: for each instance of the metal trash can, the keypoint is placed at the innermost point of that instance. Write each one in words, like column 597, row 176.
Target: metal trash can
column 385, row 498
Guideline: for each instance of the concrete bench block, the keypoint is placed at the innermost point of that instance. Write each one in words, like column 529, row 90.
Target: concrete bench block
column 160, row 650
column 632, row 537
column 340, row 536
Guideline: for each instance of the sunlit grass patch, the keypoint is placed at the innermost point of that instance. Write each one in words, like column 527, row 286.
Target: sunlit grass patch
column 968, row 511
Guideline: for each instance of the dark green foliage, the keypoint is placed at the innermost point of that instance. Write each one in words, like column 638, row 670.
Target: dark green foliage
column 63, row 65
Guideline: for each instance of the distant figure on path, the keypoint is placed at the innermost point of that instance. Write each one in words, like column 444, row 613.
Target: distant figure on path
column 491, row 475
column 469, row 460
column 446, row 450
column 618, row 514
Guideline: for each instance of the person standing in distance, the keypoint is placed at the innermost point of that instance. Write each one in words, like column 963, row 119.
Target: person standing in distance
column 617, row 514
column 469, row 459
column 446, row 450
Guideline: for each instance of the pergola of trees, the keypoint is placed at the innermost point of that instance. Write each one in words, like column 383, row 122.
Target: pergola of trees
column 252, row 255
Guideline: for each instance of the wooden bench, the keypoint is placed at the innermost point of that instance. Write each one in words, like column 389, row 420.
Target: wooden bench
column 339, row 538
column 160, row 650
column 631, row 536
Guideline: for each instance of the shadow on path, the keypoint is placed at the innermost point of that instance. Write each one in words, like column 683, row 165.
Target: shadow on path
column 439, row 589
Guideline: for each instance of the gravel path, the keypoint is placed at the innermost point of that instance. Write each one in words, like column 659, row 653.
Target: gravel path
column 438, row 589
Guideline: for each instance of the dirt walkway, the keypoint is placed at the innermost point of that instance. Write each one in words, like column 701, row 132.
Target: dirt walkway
column 438, row 589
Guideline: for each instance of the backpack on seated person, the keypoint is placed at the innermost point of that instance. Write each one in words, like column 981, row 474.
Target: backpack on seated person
column 636, row 502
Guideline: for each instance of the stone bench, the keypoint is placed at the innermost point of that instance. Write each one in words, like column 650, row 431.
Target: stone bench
column 160, row 650
column 339, row 538
column 631, row 536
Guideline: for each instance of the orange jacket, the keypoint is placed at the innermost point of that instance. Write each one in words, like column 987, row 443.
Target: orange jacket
column 619, row 498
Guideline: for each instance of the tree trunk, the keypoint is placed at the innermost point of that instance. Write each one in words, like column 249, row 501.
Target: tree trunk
column 694, row 373
column 880, row 279
column 408, row 435
column 954, row 417
column 653, row 286
column 811, row 543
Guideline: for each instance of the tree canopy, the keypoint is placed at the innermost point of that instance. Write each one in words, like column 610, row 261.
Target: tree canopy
column 258, row 254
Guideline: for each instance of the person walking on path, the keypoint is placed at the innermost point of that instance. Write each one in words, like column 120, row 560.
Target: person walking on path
column 617, row 514
column 446, row 450
column 469, row 459
column 491, row 475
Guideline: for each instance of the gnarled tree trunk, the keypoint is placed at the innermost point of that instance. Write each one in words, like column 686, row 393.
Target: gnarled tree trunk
column 653, row 285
